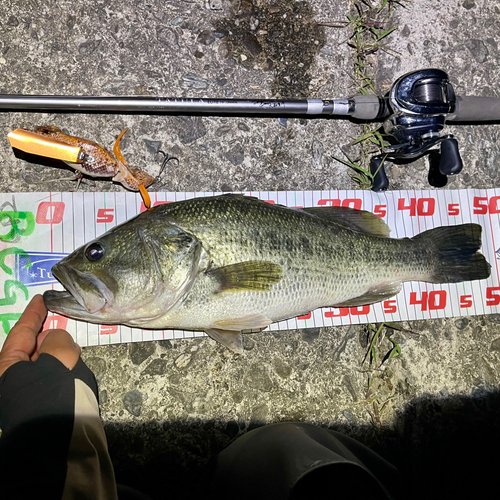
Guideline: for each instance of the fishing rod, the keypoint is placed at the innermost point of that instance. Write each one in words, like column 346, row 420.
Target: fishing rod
column 413, row 113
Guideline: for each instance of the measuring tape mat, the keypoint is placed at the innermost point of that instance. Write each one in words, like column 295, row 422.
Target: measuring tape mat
column 39, row 229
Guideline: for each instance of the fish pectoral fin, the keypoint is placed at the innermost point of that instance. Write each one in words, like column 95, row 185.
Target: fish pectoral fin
column 229, row 338
column 360, row 221
column 249, row 276
column 375, row 294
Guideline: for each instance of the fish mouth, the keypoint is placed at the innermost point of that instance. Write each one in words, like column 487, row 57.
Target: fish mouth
column 84, row 293
column 63, row 302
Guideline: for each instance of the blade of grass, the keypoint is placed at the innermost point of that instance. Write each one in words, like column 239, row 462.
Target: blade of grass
column 393, row 353
column 372, row 343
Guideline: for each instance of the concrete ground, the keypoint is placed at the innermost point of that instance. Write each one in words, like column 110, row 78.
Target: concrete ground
column 170, row 406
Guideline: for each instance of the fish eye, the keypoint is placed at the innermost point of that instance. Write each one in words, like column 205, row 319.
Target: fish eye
column 94, row 252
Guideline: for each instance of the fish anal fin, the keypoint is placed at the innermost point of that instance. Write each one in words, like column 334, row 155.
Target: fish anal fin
column 360, row 221
column 249, row 276
column 229, row 338
column 375, row 294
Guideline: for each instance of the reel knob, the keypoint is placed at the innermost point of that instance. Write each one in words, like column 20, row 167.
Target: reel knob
column 450, row 162
column 380, row 180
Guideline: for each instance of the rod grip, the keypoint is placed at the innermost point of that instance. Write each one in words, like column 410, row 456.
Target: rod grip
column 476, row 109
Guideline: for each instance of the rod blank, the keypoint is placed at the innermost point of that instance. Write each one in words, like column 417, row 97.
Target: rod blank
column 342, row 107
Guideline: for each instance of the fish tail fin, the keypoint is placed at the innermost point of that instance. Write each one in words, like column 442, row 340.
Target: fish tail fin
column 456, row 253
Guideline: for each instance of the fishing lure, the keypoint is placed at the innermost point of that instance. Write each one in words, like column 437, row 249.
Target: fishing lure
column 85, row 156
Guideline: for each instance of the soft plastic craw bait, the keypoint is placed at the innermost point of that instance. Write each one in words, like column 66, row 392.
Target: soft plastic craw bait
column 85, row 156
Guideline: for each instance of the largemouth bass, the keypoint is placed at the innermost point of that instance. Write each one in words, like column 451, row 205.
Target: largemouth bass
column 232, row 263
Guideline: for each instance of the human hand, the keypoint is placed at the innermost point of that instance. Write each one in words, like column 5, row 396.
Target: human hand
column 26, row 342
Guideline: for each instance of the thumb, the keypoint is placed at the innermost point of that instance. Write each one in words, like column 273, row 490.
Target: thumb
column 60, row 344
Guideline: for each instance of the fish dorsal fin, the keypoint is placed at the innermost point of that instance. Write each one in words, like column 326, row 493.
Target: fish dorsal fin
column 360, row 221
column 376, row 294
column 249, row 276
column 230, row 339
